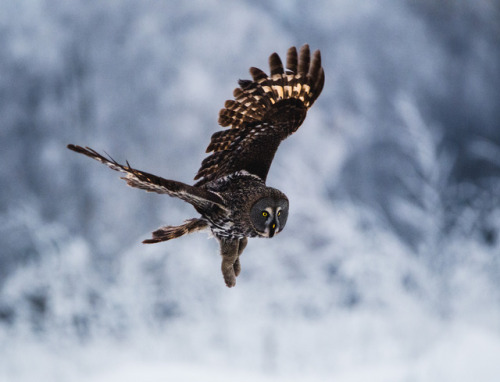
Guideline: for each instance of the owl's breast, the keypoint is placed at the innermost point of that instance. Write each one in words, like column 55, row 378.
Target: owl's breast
column 239, row 191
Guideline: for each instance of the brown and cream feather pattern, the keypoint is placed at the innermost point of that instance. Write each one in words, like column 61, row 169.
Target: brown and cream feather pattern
column 231, row 195
column 264, row 111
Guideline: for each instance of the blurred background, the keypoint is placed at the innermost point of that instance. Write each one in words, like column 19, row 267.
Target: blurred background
column 388, row 269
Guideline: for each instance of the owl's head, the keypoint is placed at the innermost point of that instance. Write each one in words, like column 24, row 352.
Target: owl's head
column 269, row 214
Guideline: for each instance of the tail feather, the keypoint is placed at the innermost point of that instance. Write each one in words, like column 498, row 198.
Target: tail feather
column 173, row 232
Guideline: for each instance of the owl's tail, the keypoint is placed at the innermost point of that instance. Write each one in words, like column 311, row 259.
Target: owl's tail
column 258, row 100
column 173, row 232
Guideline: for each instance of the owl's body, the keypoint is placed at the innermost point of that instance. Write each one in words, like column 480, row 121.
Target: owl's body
column 231, row 194
column 242, row 190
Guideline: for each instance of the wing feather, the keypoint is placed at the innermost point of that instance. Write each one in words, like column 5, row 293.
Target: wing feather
column 264, row 112
column 198, row 197
column 291, row 60
column 304, row 60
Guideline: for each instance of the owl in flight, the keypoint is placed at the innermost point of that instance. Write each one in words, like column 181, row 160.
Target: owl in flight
column 231, row 193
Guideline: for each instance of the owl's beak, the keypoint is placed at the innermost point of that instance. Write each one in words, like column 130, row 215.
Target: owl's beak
column 272, row 230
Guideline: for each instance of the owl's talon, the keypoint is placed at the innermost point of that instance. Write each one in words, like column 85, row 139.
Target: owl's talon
column 237, row 267
column 230, row 279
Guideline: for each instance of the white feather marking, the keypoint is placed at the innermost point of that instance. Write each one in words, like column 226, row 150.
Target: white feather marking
column 297, row 88
column 279, row 90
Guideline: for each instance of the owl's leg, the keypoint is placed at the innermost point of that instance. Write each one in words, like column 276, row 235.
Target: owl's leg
column 229, row 253
column 241, row 246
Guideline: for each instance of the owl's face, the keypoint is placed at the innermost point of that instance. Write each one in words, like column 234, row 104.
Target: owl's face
column 268, row 216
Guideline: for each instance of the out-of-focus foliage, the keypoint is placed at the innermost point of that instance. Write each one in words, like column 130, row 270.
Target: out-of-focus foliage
column 393, row 181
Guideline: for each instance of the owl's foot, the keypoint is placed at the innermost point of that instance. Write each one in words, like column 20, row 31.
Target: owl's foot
column 231, row 274
column 230, row 269
column 237, row 267
column 241, row 246
column 231, row 251
column 229, row 277
column 230, row 265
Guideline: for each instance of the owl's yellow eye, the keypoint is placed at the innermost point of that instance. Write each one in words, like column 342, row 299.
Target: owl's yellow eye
column 264, row 213
column 279, row 213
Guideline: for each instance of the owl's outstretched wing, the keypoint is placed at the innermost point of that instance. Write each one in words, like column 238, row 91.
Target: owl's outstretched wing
column 198, row 197
column 264, row 112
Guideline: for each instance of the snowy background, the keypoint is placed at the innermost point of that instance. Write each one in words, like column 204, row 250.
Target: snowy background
column 389, row 267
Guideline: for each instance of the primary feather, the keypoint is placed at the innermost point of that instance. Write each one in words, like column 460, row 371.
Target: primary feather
column 264, row 112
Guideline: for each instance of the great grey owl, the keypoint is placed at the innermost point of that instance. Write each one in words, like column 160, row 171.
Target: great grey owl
column 231, row 194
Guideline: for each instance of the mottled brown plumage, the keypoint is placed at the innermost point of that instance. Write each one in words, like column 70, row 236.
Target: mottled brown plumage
column 264, row 112
column 231, row 195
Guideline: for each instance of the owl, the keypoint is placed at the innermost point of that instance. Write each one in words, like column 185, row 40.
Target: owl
column 231, row 194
